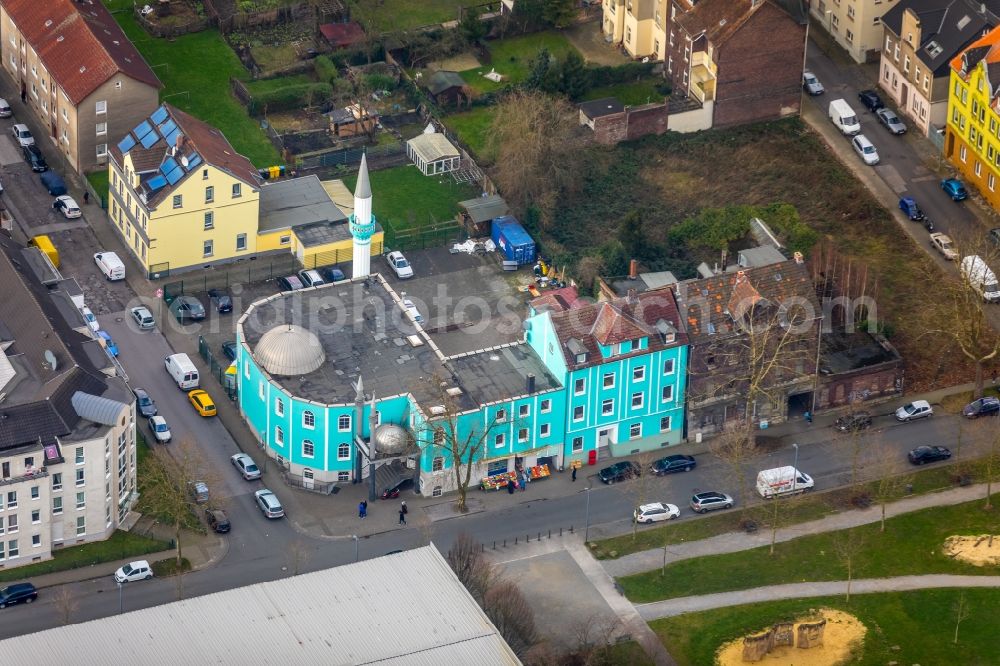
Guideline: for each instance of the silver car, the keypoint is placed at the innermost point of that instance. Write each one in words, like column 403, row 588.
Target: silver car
column 161, row 431
column 812, row 84
column 891, row 121
column 143, row 317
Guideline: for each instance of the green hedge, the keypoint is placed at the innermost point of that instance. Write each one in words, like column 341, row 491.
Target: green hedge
column 325, row 69
column 598, row 77
column 291, row 97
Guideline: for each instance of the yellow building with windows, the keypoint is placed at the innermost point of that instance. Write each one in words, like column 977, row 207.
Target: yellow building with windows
column 972, row 138
column 182, row 198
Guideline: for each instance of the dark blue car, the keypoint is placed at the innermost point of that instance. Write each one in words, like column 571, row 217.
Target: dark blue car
column 53, row 183
column 953, row 188
column 909, row 206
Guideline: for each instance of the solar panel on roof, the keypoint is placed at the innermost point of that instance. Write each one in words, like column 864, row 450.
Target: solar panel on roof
column 194, row 159
column 168, row 165
column 172, row 136
column 175, row 175
column 149, row 139
column 159, row 115
column 168, row 127
column 156, row 182
column 127, row 143
column 142, row 129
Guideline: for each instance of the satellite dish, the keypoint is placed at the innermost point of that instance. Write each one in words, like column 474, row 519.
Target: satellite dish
column 184, row 162
column 50, row 358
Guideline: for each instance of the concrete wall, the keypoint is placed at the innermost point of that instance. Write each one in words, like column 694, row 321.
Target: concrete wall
column 693, row 120
column 873, row 384
column 630, row 124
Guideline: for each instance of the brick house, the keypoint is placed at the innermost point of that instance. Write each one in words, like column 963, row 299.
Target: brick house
column 715, row 54
column 78, row 73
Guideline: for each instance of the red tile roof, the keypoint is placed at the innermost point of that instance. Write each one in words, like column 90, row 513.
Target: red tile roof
column 342, row 35
column 557, row 300
column 588, row 327
column 718, row 19
column 79, row 43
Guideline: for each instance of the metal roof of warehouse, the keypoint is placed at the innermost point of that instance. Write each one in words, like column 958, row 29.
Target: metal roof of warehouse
column 334, row 616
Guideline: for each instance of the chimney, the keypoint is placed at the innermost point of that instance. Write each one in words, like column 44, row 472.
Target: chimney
column 633, row 270
column 799, row 259
column 530, row 383
column 741, row 276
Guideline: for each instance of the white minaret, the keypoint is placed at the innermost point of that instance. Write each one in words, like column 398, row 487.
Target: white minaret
column 362, row 222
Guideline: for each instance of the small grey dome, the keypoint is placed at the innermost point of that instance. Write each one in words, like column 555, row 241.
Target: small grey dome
column 391, row 439
column 289, row 350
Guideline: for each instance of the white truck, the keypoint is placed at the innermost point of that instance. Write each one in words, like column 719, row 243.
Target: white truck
column 981, row 278
column 843, row 116
column 783, row 481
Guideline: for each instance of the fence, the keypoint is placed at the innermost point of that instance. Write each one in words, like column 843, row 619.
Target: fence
column 418, row 238
column 308, row 483
column 229, row 17
column 350, row 156
column 218, row 370
column 251, row 272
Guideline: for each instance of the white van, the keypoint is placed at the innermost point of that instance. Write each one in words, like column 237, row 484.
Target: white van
column 110, row 265
column 180, row 367
column 977, row 273
column 783, row 481
column 843, row 116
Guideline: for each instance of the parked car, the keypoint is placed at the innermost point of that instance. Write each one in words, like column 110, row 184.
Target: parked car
column 247, row 467
column 22, row 134
column 138, row 570
column 187, row 308
column 870, row 100
column 926, row 454
column 53, row 183
column 333, row 274
column 5, row 110
column 142, row 317
column 202, row 402
column 222, row 301
column 943, row 244
column 812, row 84
column 199, row 491
column 710, row 501
column 865, row 149
column 108, row 343
column 143, row 403
column 311, row 278
column 891, row 121
column 290, row 283
column 18, row 593
column 217, row 520
column 161, row 431
column 620, row 471
column 671, row 464
column 34, row 158
column 229, row 349
column 67, row 206
column 909, row 206
column 400, row 266
column 655, row 512
column 918, row 409
column 853, row 422
column 268, row 503
column 954, row 188
column 91, row 320
column 392, row 492
column 983, row 407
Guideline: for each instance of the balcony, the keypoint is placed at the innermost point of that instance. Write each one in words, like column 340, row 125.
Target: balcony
column 703, row 60
column 29, row 475
column 703, row 77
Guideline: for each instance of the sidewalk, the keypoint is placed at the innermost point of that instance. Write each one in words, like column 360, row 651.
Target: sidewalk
column 672, row 607
column 732, row 542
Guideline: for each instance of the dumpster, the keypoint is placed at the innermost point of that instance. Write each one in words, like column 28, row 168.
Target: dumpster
column 513, row 241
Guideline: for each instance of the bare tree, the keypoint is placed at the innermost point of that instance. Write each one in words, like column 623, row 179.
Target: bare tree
column 65, row 603
column 640, row 487
column 591, row 637
column 883, row 468
column 512, row 615
column 848, row 548
column 467, row 561
column 961, row 614
column 735, row 446
column 535, row 142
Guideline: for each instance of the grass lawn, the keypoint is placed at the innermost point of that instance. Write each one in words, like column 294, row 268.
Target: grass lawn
column 919, row 624
column 195, row 71
column 801, row 509
column 99, row 181
column 910, row 545
column 121, row 546
column 630, row 94
column 391, row 15
column 512, row 58
column 405, row 198
column 268, row 85
column 471, row 127
column 270, row 58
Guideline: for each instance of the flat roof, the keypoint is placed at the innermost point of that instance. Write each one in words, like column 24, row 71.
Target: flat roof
column 502, row 373
column 323, row 233
column 601, row 107
column 340, row 195
column 297, row 201
column 484, row 209
column 334, row 616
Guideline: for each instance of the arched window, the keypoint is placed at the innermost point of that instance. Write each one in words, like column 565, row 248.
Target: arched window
column 344, row 452
column 308, row 449
column 308, row 419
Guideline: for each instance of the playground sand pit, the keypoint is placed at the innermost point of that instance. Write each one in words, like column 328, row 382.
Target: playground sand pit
column 974, row 549
column 842, row 636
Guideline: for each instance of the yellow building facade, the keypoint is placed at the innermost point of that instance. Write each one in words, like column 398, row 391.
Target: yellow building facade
column 972, row 136
column 639, row 26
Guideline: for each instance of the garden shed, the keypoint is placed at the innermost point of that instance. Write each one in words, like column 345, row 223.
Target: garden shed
column 433, row 153
column 448, row 88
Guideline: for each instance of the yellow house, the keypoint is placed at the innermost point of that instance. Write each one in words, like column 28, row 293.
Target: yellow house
column 639, row 26
column 972, row 139
column 182, row 198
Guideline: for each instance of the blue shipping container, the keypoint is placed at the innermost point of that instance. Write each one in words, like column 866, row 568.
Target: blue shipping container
column 513, row 241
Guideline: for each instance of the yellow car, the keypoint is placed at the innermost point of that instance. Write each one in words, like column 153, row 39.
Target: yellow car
column 202, row 402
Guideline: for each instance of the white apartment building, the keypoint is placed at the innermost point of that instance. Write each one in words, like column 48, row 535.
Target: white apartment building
column 856, row 25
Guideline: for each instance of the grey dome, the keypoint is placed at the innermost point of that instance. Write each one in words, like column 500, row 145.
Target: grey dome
column 289, row 350
column 391, row 439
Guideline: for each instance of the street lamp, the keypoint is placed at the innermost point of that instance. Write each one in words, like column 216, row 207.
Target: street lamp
column 586, row 531
column 121, row 601
column 795, row 466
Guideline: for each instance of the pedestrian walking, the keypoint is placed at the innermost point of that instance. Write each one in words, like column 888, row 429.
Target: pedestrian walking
column 809, row 418
column 362, row 510
column 524, row 484
column 86, row 196
column 574, row 475
column 510, row 486
column 403, row 508
column 402, row 516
